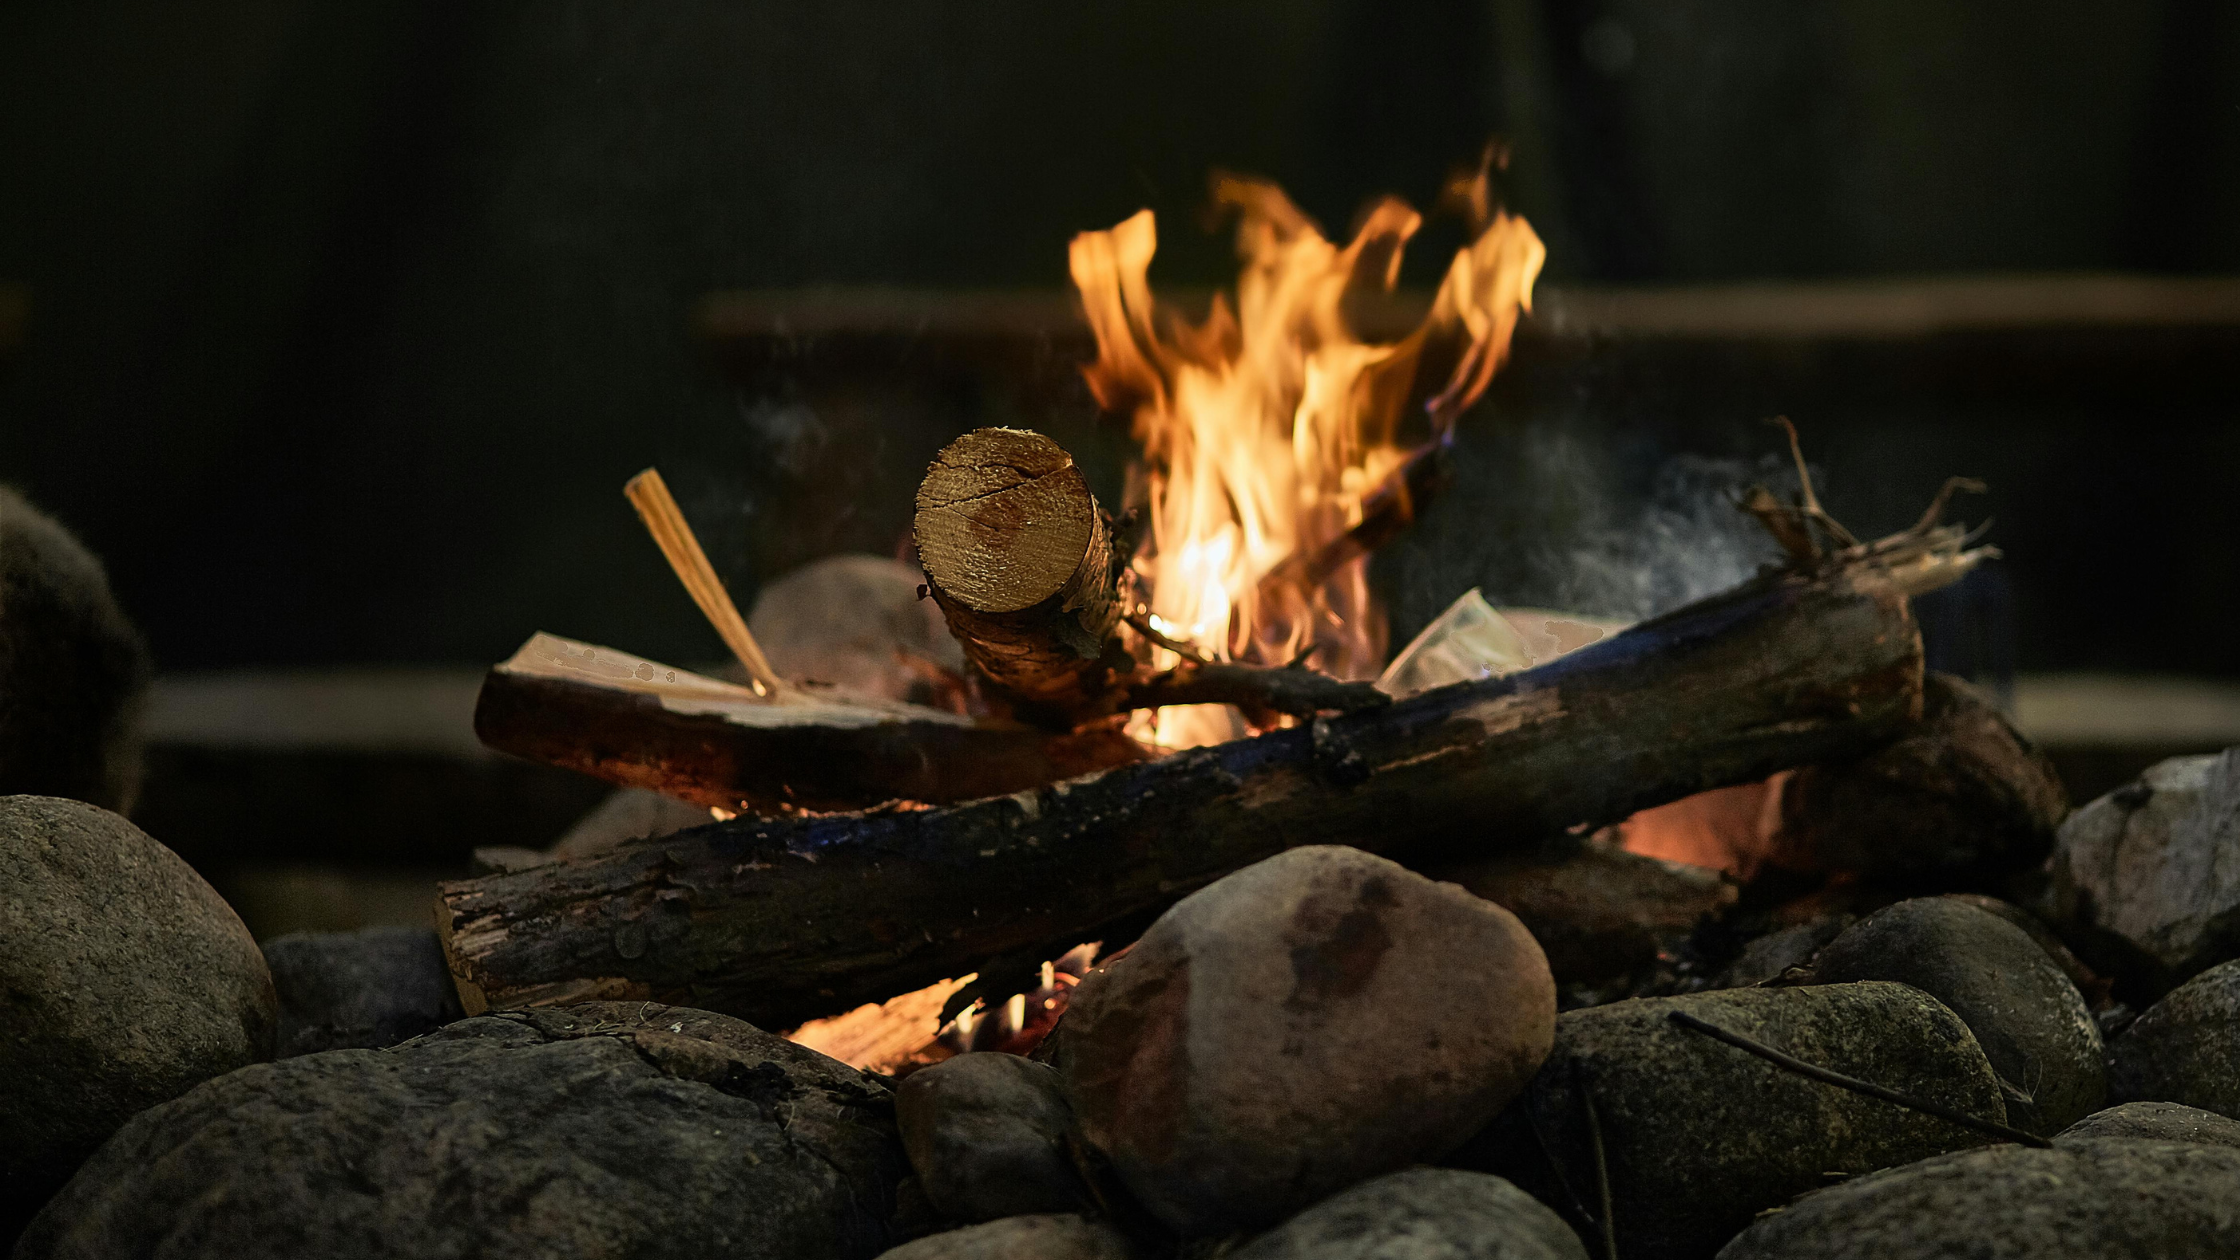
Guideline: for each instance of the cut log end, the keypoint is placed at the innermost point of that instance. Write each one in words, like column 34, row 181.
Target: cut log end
column 1004, row 520
column 1017, row 553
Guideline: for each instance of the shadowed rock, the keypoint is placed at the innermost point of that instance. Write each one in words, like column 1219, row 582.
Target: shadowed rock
column 1421, row 1214
column 1050, row 1237
column 613, row 1129
column 2186, row 1048
column 2080, row 1201
column 73, row 669
column 986, row 1136
column 2026, row 1014
column 359, row 990
column 2157, row 1122
column 1701, row 1136
column 124, row 981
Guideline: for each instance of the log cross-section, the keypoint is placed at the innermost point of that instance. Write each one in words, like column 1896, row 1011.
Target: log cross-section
column 1018, row 555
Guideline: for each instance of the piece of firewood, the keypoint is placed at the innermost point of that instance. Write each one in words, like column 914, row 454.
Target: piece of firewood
column 641, row 724
column 778, row 920
column 664, row 520
column 1020, row 558
column 1294, row 690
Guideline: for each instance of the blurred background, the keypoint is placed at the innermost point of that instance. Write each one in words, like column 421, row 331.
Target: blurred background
column 335, row 329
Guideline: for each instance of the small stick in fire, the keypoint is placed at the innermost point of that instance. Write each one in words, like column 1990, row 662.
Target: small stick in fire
column 1830, row 1076
column 1921, row 557
column 1607, row 1222
column 658, row 508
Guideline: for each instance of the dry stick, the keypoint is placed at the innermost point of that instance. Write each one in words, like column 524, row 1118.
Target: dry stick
column 649, row 494
column 1810, row 502
column 1601, row 1173
column 1883, row 1092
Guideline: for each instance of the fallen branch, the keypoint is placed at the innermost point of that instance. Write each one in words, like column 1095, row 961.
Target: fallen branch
column 778, row 920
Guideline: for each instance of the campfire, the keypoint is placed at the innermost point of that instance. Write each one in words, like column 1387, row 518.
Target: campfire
column 1100, row 881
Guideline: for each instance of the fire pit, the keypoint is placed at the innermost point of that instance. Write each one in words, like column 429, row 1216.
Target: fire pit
column 1099, row 881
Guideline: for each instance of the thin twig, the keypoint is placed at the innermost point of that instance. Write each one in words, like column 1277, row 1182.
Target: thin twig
column 1853, row 1083
column 1601, row 1173
column 1935, row 513
column 1187, row 651
column 649, row 494
column 1555, row 1166
column 1808, row 500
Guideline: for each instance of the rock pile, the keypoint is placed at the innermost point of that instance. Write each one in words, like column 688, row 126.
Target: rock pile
column 1321, row 1057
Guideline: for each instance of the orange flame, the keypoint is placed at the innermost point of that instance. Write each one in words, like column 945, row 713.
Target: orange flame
column 1267, row 427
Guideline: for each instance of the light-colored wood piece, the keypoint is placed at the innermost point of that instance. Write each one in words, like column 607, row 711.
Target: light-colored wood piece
column 649, row 494
column 1018, row 556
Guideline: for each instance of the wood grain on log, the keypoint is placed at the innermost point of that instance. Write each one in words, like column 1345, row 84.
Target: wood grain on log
column 1019, row 557
column 639, row 724
column 778, row 920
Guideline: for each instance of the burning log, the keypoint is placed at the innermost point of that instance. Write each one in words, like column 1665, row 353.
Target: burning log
column 778, row 920
column 640, row 724
column 1020, row 558
column 1024, row 566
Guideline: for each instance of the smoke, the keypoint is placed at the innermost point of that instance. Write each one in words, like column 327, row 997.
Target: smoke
column 1684, row 541
column 789, row 431
column 1581, row 518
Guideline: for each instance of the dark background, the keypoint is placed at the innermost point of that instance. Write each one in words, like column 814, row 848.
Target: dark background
column 342, row 325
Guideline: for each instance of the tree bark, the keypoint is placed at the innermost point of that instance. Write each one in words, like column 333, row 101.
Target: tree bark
column 710, row 743
column 779, row 920
column 1020, row 558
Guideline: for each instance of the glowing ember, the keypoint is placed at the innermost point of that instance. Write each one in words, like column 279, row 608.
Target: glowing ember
column 1265, row 427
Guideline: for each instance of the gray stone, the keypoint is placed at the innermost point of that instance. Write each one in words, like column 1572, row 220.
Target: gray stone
column 610, row 1129
column 1305, row 1023
column 2081, row 1201
column 124, row 981
column 359, row 990
column 73, row 668
column 1767, row 957
column 2147, row 873
column 1048, row 1237
column 1964, row 799
column 2096, row 988
column 628, row 814
column 1600, row 913
column 2186, row 1048
column 856, row 622
column 1701, row 1136
column 986, row 1135
column 1421, row 1214
column 2027, row 1015
column 2155, row 1121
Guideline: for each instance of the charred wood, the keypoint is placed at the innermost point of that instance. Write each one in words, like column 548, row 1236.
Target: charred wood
column 778, row 920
